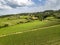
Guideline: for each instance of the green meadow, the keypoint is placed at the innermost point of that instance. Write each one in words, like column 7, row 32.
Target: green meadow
column 45, row 36
column 27, row 26
column 30, row 29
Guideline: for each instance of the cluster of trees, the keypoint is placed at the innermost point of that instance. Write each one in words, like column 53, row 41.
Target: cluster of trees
column 41, row 15
column 48, row 13
column 32, row 16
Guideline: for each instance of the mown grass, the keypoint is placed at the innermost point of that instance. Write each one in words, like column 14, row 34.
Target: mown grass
column 26, row 26
column 45, row 36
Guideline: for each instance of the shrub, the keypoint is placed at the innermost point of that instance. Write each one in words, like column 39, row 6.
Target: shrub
column 29, row 21
column 21, row 22
column 6, row 25
column 0, row 26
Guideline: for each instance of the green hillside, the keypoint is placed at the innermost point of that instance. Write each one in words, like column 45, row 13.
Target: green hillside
column 39, row 28
column 45, row 36
column 27, row 26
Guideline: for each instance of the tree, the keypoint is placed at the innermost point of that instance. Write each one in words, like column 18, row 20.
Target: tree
column 40, row 16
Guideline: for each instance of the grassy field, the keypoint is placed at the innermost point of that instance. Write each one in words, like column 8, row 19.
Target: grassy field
column 45, row 36
column 11, row 20
column 26, row 26
column 33, row 32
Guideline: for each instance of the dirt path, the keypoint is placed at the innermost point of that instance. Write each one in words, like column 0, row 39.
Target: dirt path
column 29, row 30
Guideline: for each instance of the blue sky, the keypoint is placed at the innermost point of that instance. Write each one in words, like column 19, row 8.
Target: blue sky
column 22, row 6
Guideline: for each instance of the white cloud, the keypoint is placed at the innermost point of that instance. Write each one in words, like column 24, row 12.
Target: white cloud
column 21, row 2
column 5, row 7
column 23, row 5
column 24, row 2
column 9, row 4
column 52, row 4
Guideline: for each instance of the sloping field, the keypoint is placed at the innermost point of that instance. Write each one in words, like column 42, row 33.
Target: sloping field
column 44, row 36
column 26, row 27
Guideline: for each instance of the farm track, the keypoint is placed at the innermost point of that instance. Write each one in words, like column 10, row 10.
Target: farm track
column 28, row 30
